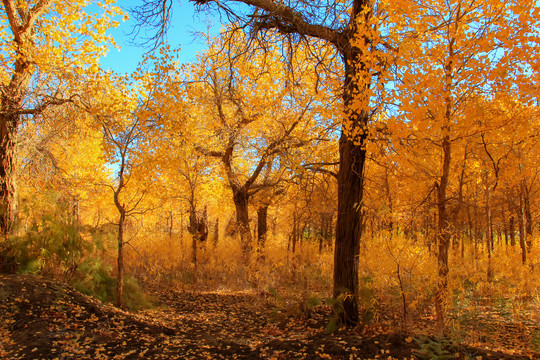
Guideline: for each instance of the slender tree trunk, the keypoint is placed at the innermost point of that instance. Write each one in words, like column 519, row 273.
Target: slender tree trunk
column 121, row 207
column 489, row 232
column 528, row 218
column 443, row 237
column 194, row 249
column 262, row 227
column 120, row 260
column 193, row 230
column 522, row 232
column 443, row 224
column 512, row 231
column 505, row 226
column 216, row 233
column 302, row 234
column 171, row 224
column 294, row 236
column 181, row 227
column 326, row 220
column 477, row 235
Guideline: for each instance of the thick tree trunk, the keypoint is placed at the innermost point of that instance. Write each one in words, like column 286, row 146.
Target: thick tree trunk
column 348, row 228
column 10, row 107
column 241, row 199
column 11, row 101
column 8, row 128
column 352, row 157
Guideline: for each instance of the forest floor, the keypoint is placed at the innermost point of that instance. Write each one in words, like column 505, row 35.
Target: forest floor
column 43, row 319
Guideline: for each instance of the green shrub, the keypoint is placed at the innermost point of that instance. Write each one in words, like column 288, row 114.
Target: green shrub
column 437, row 348
column 50, row 246
column 94, row 278
column 134, row 297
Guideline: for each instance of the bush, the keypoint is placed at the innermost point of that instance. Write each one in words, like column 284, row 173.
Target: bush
column 93, row 278
column 51, row 246
column 57, row 245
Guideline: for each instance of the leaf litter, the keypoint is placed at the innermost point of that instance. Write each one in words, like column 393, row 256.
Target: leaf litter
column 43, row 319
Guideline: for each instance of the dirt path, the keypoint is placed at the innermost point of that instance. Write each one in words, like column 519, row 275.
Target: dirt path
column 40, row 319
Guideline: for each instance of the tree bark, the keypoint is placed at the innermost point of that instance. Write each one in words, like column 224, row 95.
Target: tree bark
column 215, row 238
column 241, row 199
column 512, row 231
column 443, row 237
column 120, row 237
column 8, row 129
column 522, row 226
column 193, row 230
column 352, row 157
column 528, row 218
column 11, row 102
column 22, row 24
column 262, row 227
column 489, row 231
column 294, row 235
column 120, row 260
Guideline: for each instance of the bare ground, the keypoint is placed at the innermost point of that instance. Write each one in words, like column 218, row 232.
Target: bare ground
column 43, row 319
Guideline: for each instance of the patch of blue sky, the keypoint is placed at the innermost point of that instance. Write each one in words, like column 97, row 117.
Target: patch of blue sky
column 186, row 23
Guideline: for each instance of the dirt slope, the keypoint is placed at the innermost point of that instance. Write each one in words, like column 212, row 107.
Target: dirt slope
column 42, row 319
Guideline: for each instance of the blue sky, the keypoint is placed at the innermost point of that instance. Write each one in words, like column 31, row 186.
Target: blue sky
column 184, row 23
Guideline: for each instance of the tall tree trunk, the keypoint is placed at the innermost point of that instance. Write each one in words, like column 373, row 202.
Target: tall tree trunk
column 11, row 101
column 193, row 227
column 215, row 238
column 326, row 230
column 170, row 223
column 120, row 259
column 505, row 226
column 121, row 207
column 512, row 231
column 352, row 157
column 294, row 235
column 443, row 237
column 522, row 225
column 8, row 127
column 489, row 231
column 528, row 217
column 348, row 228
